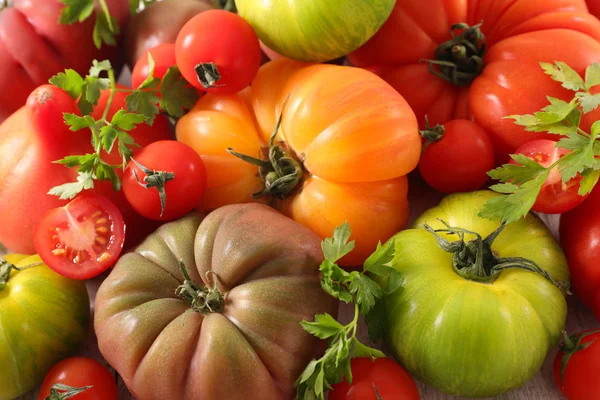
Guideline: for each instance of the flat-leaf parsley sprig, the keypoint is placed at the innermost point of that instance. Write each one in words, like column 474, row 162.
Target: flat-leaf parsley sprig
column 521, row 184
column 350, row 287
column 143, row 104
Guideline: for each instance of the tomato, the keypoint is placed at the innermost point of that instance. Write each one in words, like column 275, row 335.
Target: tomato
column 34, row 47
column 159, row 23
column 35, row 136
column 164, row 58
column 323, row 31
column 594, row 7
column 456, row 156
column 248, row 344
column 508, row 81
column 81, row 239
column 43, row 319
column 390, row 379
column 580, row 235
column 79, row 372
column 580, row 379
column 350, row 136
column 217, row 51
column 182, row 191
column 555, row 196
column 500, row 323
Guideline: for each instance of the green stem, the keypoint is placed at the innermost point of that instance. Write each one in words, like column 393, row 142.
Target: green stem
column 201, row 299
column 106, row 11
column 432, row 134
column 157, row 179
column 63, row 392
column 570, row 346
column 113, row 84
column 6, row 268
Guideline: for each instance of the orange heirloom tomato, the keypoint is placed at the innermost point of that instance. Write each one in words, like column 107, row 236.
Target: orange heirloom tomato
column 488, row 73
column 346, row 141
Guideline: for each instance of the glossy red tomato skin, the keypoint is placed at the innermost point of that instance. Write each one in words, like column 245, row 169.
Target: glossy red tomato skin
column 163, row 56
column 581, row 374
column 391, row 380
column 183, row 193
column 580, row 235
column 89, row 223
column 80, row 372
column 224, row 39
column 555, row 197
column 460, row 160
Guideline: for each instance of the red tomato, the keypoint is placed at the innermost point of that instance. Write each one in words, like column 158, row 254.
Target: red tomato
column 183, row 190
column 456, row 157
column 222, row 41
column 390, row 379
column 81, row 239
column 580, row 235
column 163, row 56
column 79, row 372
column 555, row 197
column 580, row 380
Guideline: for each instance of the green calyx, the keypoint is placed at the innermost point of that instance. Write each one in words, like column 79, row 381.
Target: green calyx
column 281, row 172
column 460, row 59
column 63, row 392
column 156, row 179
column 204, row 300
column 474, row 259
column 570, row 346
column 5, row 270
column 432, row 134
column 227, row 5
column 208, row 75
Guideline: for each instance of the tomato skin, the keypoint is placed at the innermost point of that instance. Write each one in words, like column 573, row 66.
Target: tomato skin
column 54, row 304
column 581, row 374
column 391, row 380
column 460, row 160
column 222, row 38
column 580, row 235
column 183, row 193
column 555, row 197
column 484, row 323
column 79, row 372
column 163, row 56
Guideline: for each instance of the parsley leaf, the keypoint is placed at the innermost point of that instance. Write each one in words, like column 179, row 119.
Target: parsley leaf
column 338, row 245
column 69, row 81
column 106, row 27
column 324, row 327
column 85, row 180
column 76, row 11
column 176, row 93
column 564, row 74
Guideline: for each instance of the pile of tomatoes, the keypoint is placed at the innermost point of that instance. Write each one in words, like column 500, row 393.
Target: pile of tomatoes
column 307, row 116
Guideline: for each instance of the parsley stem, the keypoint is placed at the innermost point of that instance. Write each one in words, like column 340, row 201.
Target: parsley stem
column 113, row 89
column 107, row 15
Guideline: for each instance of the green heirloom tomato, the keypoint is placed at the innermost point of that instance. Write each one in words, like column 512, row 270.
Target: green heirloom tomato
column 315, row 30
column 43, row 319
column 480, row 321
column 229, row 331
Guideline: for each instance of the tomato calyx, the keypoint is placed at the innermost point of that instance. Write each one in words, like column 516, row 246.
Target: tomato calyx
column 6, row 268
column 571, row 345
column 63, row 392
column 154, row 178
column 208, row 75
column 227, row 5
column 474, row 259
column 204, row 300
column 432, row 134
column 281, row 173
column 460, row 59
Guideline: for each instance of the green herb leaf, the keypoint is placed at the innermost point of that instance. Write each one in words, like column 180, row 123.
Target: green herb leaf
column 588, row 102
column 335, row 280
column 105, row 30
column 360, row 350
column 126, row 121
column 590, row 179
column 576, row 162
column 144, row 103
column 176, row 93
column 76, row 123
column 382, row 256
column 338, row 245
column 564, row 74
column 67, row 191
column 324, row 327
column 69, row 81
column 592, row 76
column 524, row 171
column 106, row 172
column 366, row 291
column 76, row 11
column 98, row 67
column 376, row 321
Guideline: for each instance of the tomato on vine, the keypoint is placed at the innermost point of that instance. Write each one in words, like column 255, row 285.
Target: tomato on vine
column 218, row 51
column 577, row 364
column 165, row 181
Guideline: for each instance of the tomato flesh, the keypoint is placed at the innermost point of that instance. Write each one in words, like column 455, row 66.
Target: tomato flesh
column 81, row 239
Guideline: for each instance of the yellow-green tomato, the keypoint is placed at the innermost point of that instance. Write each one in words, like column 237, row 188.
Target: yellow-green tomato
column 315, row 30
column 478, row 321
column 43, row 319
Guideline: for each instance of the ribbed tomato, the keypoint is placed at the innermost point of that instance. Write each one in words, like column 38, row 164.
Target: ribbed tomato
column 346, row 141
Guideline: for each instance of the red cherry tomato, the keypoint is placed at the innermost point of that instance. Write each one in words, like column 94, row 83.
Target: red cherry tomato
column 456, row 157
column 182, row 191
column 555, row 197
column 580, row 380
column 218, row 51
column 164, row 58
column 79, row 372
column 390, row 379
column 81, row 239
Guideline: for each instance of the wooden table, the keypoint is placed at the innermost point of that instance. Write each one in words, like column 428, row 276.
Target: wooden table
column 542, row 387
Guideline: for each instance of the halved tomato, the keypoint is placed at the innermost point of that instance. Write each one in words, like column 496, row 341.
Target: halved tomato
column 83, row 238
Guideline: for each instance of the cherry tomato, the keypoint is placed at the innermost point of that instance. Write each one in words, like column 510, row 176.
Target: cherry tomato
column 456, row 156
column 218, row 51
column 79, row 372
column 183, row 190
column 81, row 239
column 580, row 380
column 163, row 56
column 555, row 197
column 390, row 379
